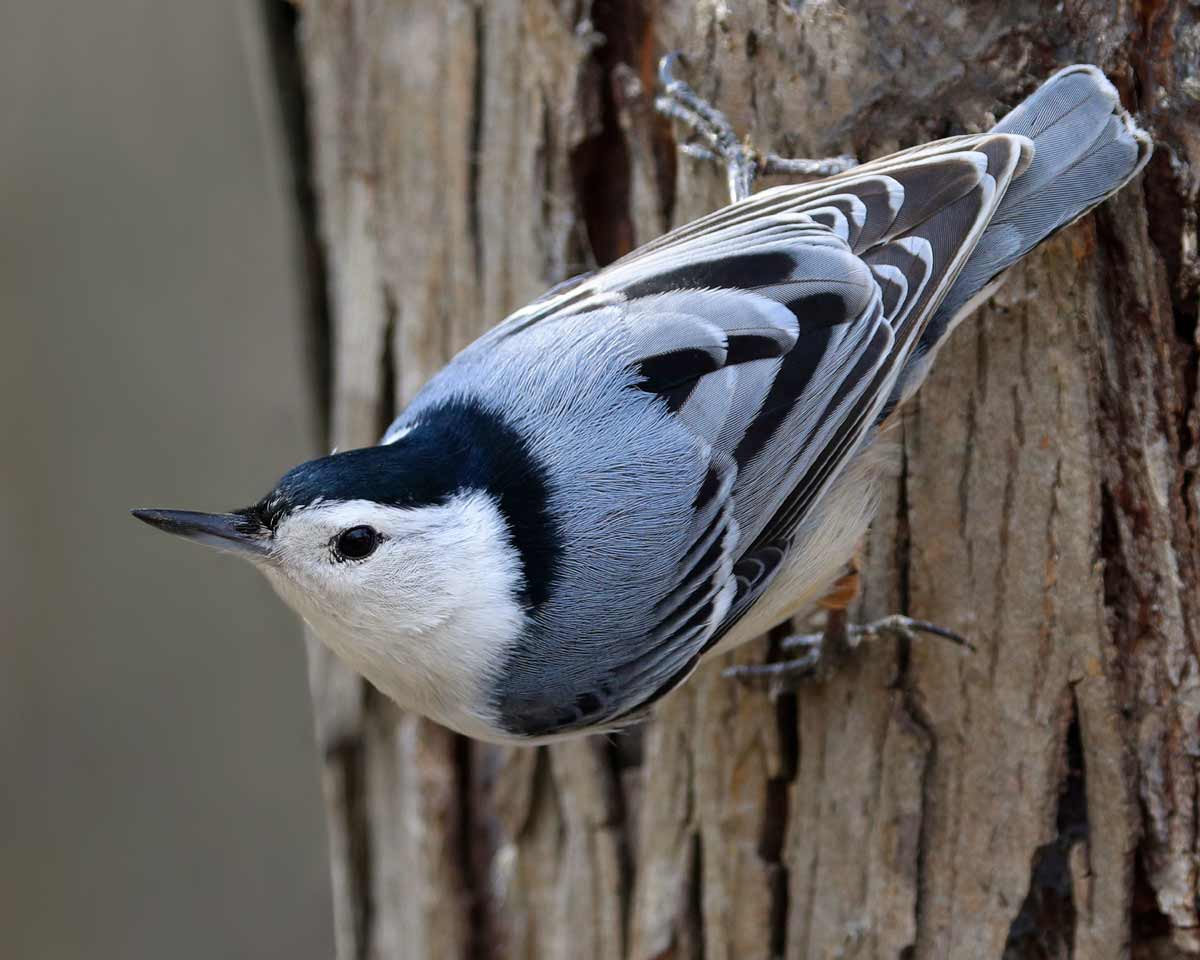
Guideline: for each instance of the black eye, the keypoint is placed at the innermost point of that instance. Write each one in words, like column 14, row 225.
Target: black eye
column 357, row 543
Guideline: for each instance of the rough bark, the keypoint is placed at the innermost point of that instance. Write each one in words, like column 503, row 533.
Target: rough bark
column 1034, row 800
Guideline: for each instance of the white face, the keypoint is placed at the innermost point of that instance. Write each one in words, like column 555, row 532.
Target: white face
column 426, row 614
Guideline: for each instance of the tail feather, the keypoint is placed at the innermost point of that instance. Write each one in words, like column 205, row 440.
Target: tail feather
column 1086, row 147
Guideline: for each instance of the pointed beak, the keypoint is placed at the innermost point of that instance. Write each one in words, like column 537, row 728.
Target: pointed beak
column 225, row 531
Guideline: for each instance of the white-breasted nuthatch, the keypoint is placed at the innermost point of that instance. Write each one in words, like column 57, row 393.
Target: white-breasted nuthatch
column 670, row 456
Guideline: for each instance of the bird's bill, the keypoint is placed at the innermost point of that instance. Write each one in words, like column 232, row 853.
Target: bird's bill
column 225, row 531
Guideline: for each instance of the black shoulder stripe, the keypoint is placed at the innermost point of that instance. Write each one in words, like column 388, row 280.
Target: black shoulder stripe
column 819, row 309
column 673, row 376
column 667, row 371
column 794, row 374
column 744, row 349
column 741, row 271
column 676, row 397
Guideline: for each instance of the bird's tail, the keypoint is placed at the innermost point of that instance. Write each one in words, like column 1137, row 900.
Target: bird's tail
column 1086, row 147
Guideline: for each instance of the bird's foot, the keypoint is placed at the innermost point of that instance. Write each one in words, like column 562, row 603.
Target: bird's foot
column 743, row 164
column 787, row 675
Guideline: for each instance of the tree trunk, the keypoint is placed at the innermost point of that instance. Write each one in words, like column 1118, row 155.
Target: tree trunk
column 1035, row 799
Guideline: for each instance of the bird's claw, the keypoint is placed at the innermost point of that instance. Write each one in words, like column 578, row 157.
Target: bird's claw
column 906, row 628
column 743, row 164
column 785, row 675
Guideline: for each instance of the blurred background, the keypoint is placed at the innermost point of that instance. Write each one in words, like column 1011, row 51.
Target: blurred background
column 160, row 794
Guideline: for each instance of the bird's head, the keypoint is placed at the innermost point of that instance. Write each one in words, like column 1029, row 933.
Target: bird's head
column 403, row 558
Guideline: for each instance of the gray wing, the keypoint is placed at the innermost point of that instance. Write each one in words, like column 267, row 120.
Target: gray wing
column 773, row 330
column 905, row 227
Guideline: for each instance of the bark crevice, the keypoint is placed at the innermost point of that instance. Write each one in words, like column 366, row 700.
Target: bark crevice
column 777, row 800
column 472, row 866
column 924, row 725
column 281, row 23
column 1044, row 927
column 600, row 164
column 475, row 142
column 348, row 762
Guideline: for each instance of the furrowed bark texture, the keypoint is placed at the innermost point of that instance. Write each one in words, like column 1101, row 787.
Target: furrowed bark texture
column 1037, row 799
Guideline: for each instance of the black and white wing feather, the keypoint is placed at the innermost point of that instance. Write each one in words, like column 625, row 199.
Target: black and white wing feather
column 774, row 329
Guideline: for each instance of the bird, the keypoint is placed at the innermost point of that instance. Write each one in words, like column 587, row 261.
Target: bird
column 658, row 461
